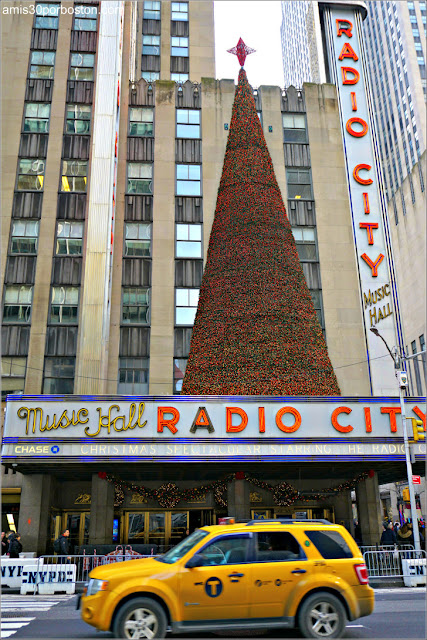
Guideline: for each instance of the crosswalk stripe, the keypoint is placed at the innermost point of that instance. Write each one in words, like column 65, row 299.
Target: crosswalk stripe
column 9, row 626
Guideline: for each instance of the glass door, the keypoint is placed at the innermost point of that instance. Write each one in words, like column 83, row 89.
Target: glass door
column 179, row 527
column 135, row 528
column 156, row 528
column 78, row 525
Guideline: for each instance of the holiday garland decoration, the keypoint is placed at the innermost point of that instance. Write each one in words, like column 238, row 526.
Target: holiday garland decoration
column 169, row 495
column 256, row 331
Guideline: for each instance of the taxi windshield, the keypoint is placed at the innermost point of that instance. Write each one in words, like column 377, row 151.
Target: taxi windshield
column 176, row 553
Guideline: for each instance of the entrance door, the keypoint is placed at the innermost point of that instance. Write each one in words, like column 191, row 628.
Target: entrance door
column 220, row 589
column 78, row 525
column 161, row 528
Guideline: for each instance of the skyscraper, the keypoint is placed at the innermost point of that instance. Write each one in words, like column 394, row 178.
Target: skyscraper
column 395, row 43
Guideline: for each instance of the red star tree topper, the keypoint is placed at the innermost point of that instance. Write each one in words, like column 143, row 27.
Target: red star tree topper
column 256, row 331
column 241, row 51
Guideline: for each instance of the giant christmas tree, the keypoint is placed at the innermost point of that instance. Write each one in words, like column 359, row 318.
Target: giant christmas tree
column 256, row 331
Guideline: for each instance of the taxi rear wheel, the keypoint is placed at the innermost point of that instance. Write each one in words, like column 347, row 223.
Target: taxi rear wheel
column 322, row 615
column 140, row 618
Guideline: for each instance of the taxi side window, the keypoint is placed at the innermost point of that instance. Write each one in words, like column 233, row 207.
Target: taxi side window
column 330, row 544
column 278, row 546
column 226, row 550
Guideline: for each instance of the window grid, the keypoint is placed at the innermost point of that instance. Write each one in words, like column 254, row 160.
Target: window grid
column 188, row 180
column 133, row 376
column 78, row 119
column 186, row 301
column 30, row 174
column 64, row 305
column 36, row 117
column 17, row 303
column 137, row 239
column 188, row 123
column 85, row 18
column 46, row 15
column 58, row 375
column 141, row 121
column 24, row 236
column 188, row 240
column 69, row 238
column 136, row 305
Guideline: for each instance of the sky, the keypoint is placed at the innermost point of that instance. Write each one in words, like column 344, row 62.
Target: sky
column 258, row 24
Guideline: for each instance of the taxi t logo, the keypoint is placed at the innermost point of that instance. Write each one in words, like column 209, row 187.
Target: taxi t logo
column 213, row 587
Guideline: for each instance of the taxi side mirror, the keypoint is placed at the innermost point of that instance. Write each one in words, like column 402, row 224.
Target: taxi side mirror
column 196, row 561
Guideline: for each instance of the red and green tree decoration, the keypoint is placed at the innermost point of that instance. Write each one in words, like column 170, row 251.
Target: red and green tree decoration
column 256, row 331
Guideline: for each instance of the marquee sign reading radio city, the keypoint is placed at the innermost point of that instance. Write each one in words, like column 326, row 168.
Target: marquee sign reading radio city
column 87, row 428
column 368, row 207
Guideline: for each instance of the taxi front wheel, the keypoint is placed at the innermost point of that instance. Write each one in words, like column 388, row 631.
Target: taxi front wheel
column 140, row 618
column 322, row 615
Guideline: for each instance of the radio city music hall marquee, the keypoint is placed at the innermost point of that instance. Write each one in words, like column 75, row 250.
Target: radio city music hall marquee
column 378, row 290
column 205, row 429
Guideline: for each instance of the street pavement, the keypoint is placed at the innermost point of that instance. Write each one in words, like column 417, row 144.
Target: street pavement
column 399, row 613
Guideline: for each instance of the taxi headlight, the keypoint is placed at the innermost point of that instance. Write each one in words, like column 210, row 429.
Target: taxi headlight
column 96, row 585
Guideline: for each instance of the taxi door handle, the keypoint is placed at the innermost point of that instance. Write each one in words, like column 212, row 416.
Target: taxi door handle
column 236, row 575
column 299, row 571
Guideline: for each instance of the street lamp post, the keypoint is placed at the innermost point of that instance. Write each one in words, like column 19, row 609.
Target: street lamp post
column 398, row 371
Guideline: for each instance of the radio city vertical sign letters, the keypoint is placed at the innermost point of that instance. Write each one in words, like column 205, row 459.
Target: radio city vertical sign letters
column 374, row 257
column 206, row 428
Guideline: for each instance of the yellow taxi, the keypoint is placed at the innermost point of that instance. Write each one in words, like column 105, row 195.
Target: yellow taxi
column 308, row 574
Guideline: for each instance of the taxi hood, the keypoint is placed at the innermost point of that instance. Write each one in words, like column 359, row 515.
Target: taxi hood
column 128, row 568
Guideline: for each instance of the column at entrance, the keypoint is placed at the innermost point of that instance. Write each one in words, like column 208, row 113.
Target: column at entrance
column 34, row 514
column 238, row 500
column 101, row 511
column 369, row 510
column 343, row 510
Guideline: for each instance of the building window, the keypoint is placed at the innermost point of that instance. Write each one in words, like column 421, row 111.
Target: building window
column 141, row 121
column 17, row 303
column 150, row 45
column 135, row 306
column 42, row 65
column 179, row 47
column 69, row 238
column 423, row 351
column 58, row 375
column 12, row 375
column 188, row 240
column 316, row 296
column 133, row 372
column 179, row 367
column 179, row 77
column 85, row 18
column 81, row 66
column 74, row 175
column 294, row 127
column 306, row 244
column 151, row 11
column 186, row 306
column 24, row 236
column 36, row 117
column 30, row 174
column 150, row 76
column 46, row 15
column 78, row 119
column 64, row 305
column 179, row 10
column 137, row 239
column 299, row 184
column 140, row 177
column 188, row 180
column 187, row 123
column 416, row 369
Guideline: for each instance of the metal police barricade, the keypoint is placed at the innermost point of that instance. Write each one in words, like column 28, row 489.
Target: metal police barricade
column 51, row 574
column 394, row 563
column 385, row 547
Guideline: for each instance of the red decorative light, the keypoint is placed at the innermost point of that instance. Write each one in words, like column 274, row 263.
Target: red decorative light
column 102, row 475
column 241, row 51
column 371, row 473
column 240, row 475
